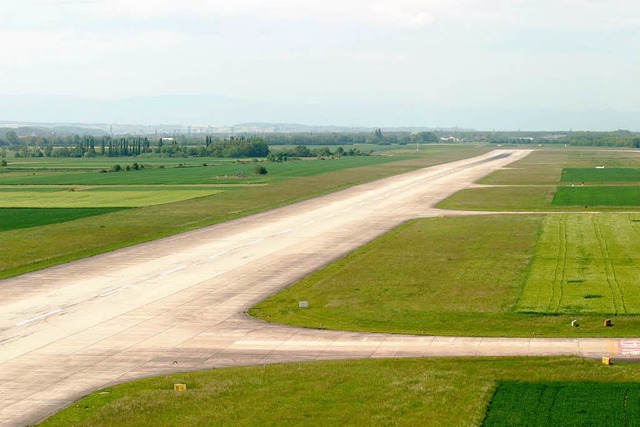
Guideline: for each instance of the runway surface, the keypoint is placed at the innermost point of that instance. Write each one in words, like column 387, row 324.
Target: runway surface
column 178, row 304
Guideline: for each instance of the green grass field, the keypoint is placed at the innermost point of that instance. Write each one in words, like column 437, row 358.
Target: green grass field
column 15, row 218
column 585, row 264
column 532, row 184
column 401, row 392
column 578, row 404
column 545, row 166
column 594, row 197
column 70, row 240
column 214, row 173
column 600, row 175
column 537, row 274
column 89, row 198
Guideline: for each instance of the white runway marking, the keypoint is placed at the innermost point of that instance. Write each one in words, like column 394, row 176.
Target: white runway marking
column 120, row 289
column 175, row 270
column 218, row 254
column 281, row 233
column 42, row 316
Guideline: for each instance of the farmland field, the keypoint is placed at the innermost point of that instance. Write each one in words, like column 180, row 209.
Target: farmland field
column 568, row 404
column 437, row 392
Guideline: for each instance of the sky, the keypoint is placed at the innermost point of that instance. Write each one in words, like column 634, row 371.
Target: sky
column 456, row 54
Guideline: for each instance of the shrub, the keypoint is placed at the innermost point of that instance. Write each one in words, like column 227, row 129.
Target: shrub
column 260, row 170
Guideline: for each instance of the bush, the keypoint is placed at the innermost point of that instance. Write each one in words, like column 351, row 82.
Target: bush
column 260, row 170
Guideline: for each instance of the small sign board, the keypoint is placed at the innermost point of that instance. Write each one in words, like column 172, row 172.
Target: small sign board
column 303, row 304
column 180, row 387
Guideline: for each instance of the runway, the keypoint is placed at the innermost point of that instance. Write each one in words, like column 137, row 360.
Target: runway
column 177, row 304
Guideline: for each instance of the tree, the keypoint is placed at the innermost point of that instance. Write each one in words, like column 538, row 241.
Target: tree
column 12, row 137
column 260, row 170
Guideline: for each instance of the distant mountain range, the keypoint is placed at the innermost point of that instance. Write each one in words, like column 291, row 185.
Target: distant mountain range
column 178, row 111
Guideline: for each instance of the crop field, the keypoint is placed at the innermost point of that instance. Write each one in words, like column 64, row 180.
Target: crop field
column 538, row 273
column 400, row 392
column 609, row 196
column 15, row 218
column 600, row 175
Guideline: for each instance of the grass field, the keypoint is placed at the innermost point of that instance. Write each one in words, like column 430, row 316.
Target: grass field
column 594, row 197
column 578, row 404
column 423, row 278
column 585, row 264
column 545, row 166
column 214, row 173
column 89, row 198
column 509, row 198
column 15, row 218
column 600, row 175
column 403, row 392
column 533, row 184
column 67, row 241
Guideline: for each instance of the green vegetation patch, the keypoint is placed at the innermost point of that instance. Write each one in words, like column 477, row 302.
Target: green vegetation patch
column 547, row 166
column 608, row 196
column 568, row 404
column 465, row 276
column 405, row 392
column 585, row 263
column 512, row 198
column 15, row 218
column 64, row 242
column 600, row 174
column 81, row 198
column 218, row 172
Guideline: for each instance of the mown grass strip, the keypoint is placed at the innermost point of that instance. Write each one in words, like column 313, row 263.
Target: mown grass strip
column 405, row 392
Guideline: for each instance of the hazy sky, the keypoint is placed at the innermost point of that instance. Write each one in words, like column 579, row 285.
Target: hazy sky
column 560, row 54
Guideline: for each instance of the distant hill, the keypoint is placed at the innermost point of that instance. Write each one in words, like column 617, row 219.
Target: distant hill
column 169, row 113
